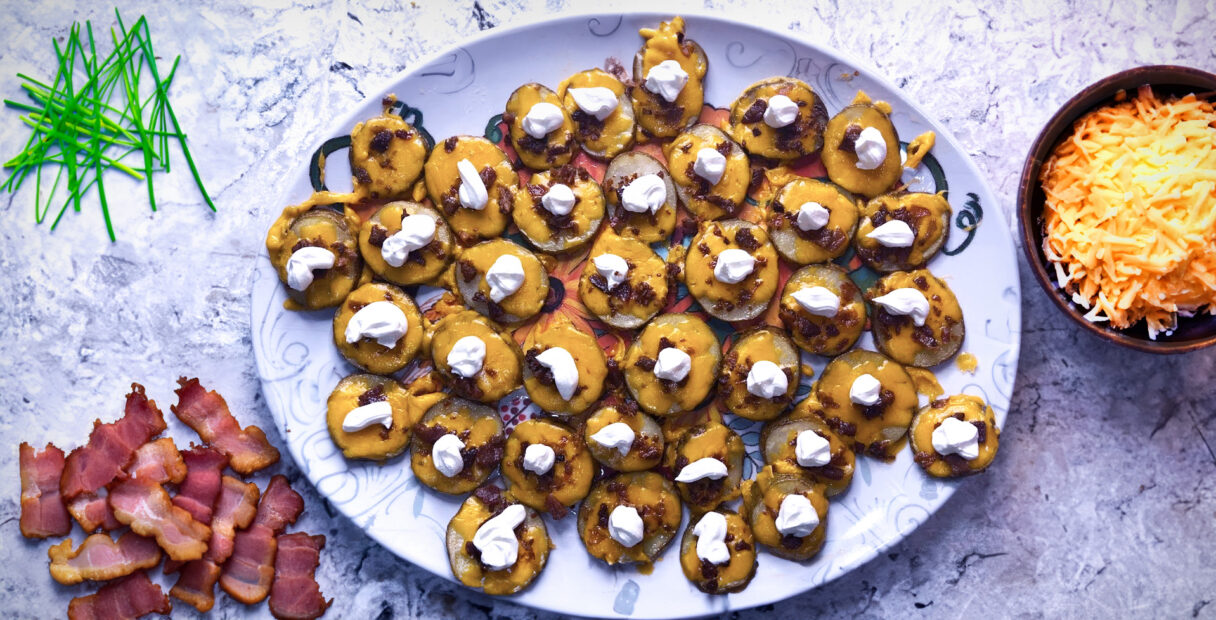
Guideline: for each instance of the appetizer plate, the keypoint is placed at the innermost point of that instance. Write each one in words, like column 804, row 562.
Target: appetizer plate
column 461, row 91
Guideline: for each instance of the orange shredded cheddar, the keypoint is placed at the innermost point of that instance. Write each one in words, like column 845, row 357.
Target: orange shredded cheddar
column 1130, row 213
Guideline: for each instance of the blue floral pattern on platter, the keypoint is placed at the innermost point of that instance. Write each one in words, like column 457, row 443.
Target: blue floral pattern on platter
column 299, row 365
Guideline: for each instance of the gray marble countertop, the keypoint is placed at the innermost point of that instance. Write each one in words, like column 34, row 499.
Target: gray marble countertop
column 1102, row 502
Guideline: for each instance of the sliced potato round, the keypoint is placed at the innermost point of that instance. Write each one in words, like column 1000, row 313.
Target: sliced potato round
column 321, row 227
column 928, row 215
column 590, row 365
column 840, row 157
column 801, row 137
column 647, row 448
column 876, row 430
column 375, row 441
column 556, row 147
column 441, row 174
column 568, row 479
column 812, row 246
column 768, row 344
column 740, row 301
column 602, row 139
column 762, row 506
column 647, row 226
column 708, row 201
column 647, row 279
column 657, row 117
column 656, row 502
column 502, row 357
column 552, row 232
column 519, row 306
column 779, row 439
column 477, row 426
column 711, row 440
column 532, row 535
column 817, row 334
column 368, row 353
column 966, row 408
column 423, row 265
column 735, row 573
column 386, row 157
column 695, row 338
column 899, row 337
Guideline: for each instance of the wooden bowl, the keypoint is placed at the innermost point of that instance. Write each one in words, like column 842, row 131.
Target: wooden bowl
column 1192, row 333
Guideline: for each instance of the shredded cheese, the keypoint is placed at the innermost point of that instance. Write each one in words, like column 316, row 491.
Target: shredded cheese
column 1130, row 212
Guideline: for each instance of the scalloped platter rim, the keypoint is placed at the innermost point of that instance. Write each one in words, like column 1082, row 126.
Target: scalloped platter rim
column 298, row 364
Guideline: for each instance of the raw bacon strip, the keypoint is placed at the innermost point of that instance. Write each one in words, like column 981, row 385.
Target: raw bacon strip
column 235, row 509
column 248, row 573
column 208, row 414
column 158, row 461
column 92, row 512
column 100, row 558
column 280, row 506
column 295, row 594
column 131, row 597
column 42, row 511
column 146, row 507
column 197, row 494
column 111, row 446
column 196, row 584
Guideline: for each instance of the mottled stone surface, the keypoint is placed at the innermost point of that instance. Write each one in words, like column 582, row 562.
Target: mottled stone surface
column 1102, row 502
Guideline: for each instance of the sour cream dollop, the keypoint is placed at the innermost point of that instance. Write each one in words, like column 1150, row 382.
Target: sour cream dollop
column 359, row 418
column 955, row 436
column 381, row 321
column 893, row 234
column 733, row 266
column 467, row 356
column 472, row 193
column 766, row 380
column 812, row 216
column 906, row 301
column 796, row 516
column 666, row 79
column 496, row 540
column 559, row 200
column 445, row 453
column 303, row 261
column 417, row 231
column 812, row 450
column 866, row 390
column 871, row 149
column 818, row 301
column 781, row 111
column 710, row 165
column 598, row 101
column 707, row 467
column 625, row 526
column 672, row 364
column 565, row 371
column 618, row 436
column 539, row 458
column 644, row 194
column 612, row 268
column 711, row 538
column 505, row 277
column 541, row 119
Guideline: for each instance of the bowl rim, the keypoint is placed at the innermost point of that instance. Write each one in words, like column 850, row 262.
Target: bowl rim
column 1087, row 99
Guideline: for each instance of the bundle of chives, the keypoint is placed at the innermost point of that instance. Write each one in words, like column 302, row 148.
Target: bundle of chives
column 94, row 115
